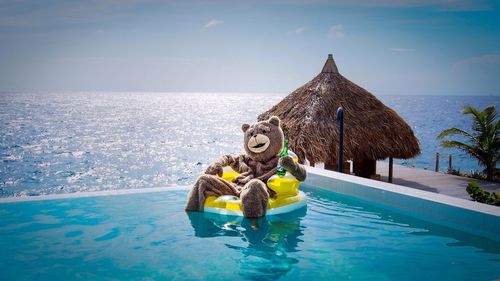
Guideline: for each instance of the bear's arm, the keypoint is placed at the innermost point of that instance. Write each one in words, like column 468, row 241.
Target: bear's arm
column 240, row 165
column 216, row 168
column 296, row 169
column 226, row 160
column 237, row 162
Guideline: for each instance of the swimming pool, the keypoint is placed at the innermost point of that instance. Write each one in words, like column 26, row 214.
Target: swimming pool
column 148, row 236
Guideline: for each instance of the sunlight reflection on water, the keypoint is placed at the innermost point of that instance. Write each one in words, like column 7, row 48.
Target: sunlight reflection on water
column 68, row 142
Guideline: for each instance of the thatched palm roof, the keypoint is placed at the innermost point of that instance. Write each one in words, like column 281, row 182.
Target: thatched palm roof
column 371, row 129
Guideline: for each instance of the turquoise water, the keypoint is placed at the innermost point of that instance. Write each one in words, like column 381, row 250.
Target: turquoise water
column 148, row 236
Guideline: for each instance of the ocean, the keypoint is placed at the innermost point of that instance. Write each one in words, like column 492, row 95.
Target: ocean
column 77, row 142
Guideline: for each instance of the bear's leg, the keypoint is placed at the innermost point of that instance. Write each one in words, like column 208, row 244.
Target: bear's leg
column 254, row 199
column 208, row 185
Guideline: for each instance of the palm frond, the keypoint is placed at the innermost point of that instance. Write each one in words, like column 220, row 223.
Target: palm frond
column 455, row 131
column 484, row 139
column 470, row 149
column 478, row 119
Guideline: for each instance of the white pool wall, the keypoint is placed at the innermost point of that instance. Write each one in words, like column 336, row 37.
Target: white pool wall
column 464, row 215
column 84, row 194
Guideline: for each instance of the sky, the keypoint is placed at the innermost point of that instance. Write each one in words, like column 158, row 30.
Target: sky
column 389, row 47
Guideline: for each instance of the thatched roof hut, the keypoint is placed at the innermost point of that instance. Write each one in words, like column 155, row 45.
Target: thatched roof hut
column 372, row 131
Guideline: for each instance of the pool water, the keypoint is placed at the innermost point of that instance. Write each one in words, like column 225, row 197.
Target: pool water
column 148, row 236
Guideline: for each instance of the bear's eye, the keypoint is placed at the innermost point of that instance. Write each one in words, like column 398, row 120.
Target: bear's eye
column 265, row 130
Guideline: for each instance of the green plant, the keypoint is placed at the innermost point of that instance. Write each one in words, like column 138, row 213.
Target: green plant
column 480, row 195
column 483, row 141
column 454, row 172
column 475, row 174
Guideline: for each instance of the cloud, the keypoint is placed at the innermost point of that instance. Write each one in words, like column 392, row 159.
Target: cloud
column 401, row 50
column 213, row 23
column 484, row 60
column 297, row 31
column 336, row 31
column 440, row 5
column 31, row 13
column 9, row 21
column 118, row 60
column 420, row 21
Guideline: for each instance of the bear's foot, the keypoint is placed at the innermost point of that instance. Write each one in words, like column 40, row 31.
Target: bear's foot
column 254, row 199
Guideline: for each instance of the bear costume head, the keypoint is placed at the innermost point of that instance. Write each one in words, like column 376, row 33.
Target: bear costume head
column 263, row 140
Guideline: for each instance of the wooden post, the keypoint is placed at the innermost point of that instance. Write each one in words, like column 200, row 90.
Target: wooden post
column 390, row 169
column 340, row 118
column 450, row 167
column 436, row 169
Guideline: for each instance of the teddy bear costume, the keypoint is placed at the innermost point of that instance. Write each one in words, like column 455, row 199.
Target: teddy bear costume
column 262, row 141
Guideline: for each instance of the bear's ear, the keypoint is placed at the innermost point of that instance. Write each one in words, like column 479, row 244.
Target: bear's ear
column 275, row 120
column 245, row 127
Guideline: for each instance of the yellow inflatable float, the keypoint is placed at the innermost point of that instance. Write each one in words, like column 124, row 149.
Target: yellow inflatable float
column 288, row 196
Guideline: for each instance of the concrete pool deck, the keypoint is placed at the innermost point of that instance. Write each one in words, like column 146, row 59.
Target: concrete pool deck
column 431, row 181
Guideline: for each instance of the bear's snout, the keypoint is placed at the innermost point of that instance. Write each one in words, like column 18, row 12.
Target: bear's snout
column 258, row 143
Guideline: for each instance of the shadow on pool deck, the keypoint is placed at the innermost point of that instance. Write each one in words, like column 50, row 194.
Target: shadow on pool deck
column 431, row 181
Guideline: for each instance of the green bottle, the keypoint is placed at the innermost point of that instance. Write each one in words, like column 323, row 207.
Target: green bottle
column 284, row 152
